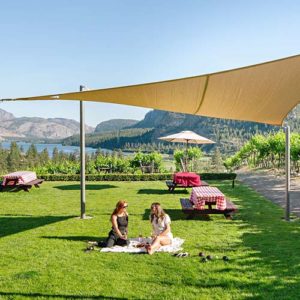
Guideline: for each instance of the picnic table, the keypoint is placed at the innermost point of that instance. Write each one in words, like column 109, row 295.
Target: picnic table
column 185, row 180
column 21, row 179
column 207, row 195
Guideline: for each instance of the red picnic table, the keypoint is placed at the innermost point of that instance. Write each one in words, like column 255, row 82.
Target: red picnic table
column 185, row 179
column 207, row 195
column 21, row 179
column 203, row 195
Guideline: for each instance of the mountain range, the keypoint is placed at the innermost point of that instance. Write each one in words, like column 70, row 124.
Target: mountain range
column 114, row 125
column 229, row 135
column 37, row 128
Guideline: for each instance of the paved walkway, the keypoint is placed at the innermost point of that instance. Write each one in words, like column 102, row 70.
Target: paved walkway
column 272, row 187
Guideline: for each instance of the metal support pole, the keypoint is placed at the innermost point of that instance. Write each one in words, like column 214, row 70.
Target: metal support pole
column 82, row 158
column 287, row 172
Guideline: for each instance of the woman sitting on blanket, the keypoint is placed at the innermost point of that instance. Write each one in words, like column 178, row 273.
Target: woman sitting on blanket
column 161, row 232
column 119, row 231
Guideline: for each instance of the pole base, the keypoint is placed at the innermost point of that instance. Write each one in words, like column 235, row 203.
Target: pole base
column 84, row 218
column 291, row 218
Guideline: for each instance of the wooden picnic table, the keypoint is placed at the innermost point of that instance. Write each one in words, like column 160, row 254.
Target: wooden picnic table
column 207, row 196
column 185, row 180
column 203, row 195
column 21, row 179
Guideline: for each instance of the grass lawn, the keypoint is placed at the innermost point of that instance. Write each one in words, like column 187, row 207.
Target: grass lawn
column 42, row 243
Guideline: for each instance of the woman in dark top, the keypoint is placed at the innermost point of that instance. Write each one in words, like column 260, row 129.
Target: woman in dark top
column 119, row 231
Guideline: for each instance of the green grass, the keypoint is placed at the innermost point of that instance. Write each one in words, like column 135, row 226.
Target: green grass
column 42, row 243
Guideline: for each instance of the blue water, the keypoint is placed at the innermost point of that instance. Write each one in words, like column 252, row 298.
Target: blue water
column 50, row 147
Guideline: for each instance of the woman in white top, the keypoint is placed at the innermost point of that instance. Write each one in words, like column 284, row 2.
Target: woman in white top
column 161, row 232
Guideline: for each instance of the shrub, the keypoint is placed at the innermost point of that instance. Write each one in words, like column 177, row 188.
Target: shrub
column 132, row 177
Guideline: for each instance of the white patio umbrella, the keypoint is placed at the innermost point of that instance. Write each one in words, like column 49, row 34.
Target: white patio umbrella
column 188, row 137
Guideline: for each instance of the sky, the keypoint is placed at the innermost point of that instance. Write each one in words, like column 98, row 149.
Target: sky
column 51, row 47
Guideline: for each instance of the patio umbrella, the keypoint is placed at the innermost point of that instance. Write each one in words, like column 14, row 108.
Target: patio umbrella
column 188, row 137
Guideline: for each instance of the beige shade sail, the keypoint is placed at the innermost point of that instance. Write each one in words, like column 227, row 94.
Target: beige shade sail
column 262, row 93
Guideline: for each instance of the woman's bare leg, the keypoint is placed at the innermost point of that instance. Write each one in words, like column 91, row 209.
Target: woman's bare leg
column 157, row 243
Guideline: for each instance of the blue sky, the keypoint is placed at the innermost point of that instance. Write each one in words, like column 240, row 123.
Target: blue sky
column 55, row 46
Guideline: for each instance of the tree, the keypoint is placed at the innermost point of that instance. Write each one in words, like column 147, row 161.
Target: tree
column 44, row 157
column 55, row 155
column 3, row 160
column 193, row 154
column 295, row 151
column 32, row 156
column 14, row 157
column 217, row 161
column 277, row 146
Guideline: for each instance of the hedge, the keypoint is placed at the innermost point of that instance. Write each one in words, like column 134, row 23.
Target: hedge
column 132, row 177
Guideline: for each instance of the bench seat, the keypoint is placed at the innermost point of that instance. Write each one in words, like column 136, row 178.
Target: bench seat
column 187, row 208
column 28, row 185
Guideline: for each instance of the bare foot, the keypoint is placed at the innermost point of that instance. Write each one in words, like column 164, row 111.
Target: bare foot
column 150, row 250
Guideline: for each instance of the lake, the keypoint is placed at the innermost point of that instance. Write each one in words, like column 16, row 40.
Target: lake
column 50, row 147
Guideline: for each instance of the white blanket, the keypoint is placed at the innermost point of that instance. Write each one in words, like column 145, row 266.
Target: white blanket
column 132, row 248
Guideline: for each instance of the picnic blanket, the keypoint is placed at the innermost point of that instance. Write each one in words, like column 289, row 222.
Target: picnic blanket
column 132, row 247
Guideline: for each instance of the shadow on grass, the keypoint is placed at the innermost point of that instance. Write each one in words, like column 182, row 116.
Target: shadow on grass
column 14, row 224
column 91, row 187
column 40, row 295
column 177, row 214
column 76, row 238
column 272, row 248
column 11, row 189
column 264, row 261
column 161, row 192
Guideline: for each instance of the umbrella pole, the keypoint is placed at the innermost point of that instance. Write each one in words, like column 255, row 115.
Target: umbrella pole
column 186, row 156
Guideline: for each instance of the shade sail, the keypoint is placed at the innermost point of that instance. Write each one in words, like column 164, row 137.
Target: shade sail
column 262, row 93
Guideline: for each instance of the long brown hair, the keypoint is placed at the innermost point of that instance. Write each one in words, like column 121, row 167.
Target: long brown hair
column 121, row 204
column 159, row 214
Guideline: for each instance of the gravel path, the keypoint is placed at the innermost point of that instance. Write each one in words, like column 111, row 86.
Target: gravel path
column 272, row 187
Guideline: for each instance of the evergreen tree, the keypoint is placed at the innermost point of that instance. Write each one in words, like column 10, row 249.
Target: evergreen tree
column 44, row 157
column 62, row 156
column 55, row 155
column 73, row 157
column 217, row 161
column 14, row 157
column 32, row 156
column 3, row 161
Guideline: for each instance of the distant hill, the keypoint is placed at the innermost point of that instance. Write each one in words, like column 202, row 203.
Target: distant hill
column 111, row 139
column 229, row 135
column 37, row 128
column 4, row 115
column 114, row 125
